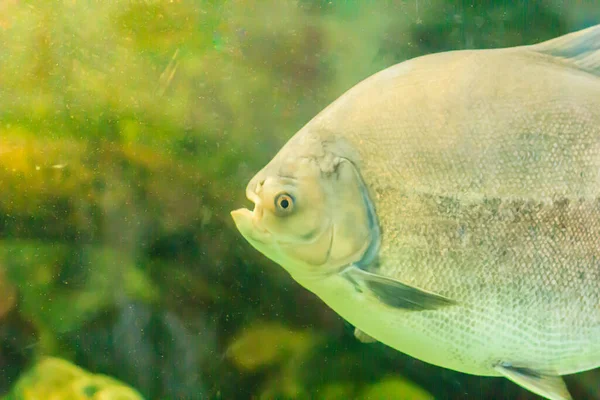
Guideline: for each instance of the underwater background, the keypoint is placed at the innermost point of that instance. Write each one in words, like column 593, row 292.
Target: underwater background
column 128, row 131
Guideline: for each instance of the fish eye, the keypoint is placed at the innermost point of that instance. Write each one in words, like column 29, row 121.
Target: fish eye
column 284, row 204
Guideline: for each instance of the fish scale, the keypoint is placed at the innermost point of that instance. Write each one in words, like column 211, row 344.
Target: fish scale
column 482, row 170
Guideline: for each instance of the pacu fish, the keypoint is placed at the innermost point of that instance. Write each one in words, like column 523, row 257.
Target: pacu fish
column 449, row 207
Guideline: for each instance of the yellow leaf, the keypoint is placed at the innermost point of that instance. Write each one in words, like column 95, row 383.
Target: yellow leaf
column 395, row 388
column 264, row 344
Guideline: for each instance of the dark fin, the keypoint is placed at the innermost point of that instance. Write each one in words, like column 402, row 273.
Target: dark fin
column 547, row 385
column 395, row 293
column 363, row 337
column 581, row 49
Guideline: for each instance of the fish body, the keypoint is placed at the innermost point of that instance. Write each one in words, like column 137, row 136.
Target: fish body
column 458, row 204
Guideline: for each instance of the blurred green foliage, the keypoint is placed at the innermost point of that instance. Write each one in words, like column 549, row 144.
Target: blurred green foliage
column 128, row 130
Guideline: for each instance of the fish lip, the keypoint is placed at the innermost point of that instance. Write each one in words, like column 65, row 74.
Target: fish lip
column 246, row 224
column 253, row 197
column 253, row 188
column 247, row 221
column 257, row 212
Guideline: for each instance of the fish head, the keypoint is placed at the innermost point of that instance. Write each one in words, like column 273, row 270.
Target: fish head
column 311, row 211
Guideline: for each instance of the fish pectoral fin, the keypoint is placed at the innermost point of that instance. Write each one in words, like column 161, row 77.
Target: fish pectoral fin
column 363, row 337
column 395, row 293
column 548, row 385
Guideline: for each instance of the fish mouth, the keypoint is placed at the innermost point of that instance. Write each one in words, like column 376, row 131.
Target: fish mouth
column 247, row 221
column 252, row 195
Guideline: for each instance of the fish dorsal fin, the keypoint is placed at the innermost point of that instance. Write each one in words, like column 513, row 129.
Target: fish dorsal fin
column 581, row 49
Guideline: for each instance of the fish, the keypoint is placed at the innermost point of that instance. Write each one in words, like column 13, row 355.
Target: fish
column 449, row 207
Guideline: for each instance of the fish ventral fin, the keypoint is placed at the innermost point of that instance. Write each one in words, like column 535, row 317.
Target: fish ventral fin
column 547, row 385
column 581, row 49
column 363, row 337
column 395, row 293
